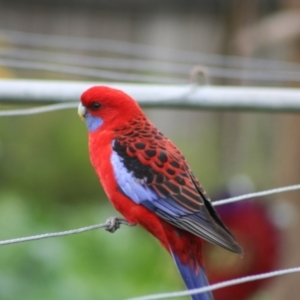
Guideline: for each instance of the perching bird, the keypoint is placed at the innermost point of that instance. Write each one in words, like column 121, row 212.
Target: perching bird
column 149, row 182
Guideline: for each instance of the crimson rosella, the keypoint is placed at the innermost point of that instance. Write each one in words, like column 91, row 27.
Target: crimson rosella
column 149, row 182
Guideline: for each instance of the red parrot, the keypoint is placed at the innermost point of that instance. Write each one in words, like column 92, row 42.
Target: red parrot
column 149, row 182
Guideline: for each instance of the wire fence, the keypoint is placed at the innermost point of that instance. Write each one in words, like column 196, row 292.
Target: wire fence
column 155, row 77
column 138, row 63
column 180, row 293
column 16, row 92
column 44, row 94
column 86, row 66
column 107, row 223
column 130, row 49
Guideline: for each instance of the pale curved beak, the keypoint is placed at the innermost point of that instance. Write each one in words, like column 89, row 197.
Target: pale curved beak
column 81, row 111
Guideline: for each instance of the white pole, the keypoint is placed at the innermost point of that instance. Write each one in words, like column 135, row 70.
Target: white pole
column 150, row 95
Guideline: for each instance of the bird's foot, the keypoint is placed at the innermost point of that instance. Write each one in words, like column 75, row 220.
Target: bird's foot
column 114, row 223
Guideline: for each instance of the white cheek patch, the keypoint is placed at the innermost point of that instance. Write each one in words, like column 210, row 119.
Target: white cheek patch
column 93, row 123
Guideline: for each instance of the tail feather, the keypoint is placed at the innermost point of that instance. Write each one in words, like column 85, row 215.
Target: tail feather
column 193, row 279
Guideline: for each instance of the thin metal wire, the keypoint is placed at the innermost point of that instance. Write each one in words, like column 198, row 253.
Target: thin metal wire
column 254, row 75
column 140, row 50
column 89, row 72
column 97, row 226
column 221, row 202
column 54, row 234
column 181, row 293
column 37, row 110
column 218, row 285
column 146, row 51
column 107, row 225
column 139, row 65
column 258, row 194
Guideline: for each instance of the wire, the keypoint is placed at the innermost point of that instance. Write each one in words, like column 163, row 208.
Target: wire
column 131, row 64
column 49, row 235
column 141, row 50
column 258, row 194
column 218, row 285
column 33, row 65
column 109, row 225
column 256, row 75
column 221, row 202
column 37, row 110
column 141, row 65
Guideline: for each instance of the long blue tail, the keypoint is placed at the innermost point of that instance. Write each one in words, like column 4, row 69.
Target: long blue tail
column 193, row 280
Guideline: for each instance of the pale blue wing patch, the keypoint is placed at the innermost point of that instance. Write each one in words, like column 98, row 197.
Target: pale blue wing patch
column 130, row 186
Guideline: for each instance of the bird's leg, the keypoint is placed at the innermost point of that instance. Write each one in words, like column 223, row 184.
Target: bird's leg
column 114, row 223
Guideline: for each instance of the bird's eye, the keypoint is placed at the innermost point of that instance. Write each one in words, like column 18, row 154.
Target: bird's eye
column 95, row 106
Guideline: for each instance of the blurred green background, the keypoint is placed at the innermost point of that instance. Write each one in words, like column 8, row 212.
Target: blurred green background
column 47, row 183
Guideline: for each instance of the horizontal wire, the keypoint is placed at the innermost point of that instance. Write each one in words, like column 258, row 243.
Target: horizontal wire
column 89, row 72
column 54, row 234
column 181, row 293
column 252, row 195
column 126, row 64
column 254, row 75
column 258, row 194
column 218, row 285
column 141, row 66
column 107, row 225
column 141, row 50
column 37, row 110
column 215, row 72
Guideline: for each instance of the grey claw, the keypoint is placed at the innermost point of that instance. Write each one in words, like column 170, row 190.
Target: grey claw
column 114, row 223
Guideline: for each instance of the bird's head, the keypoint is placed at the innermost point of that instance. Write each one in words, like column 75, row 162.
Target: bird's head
column 102, row 105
